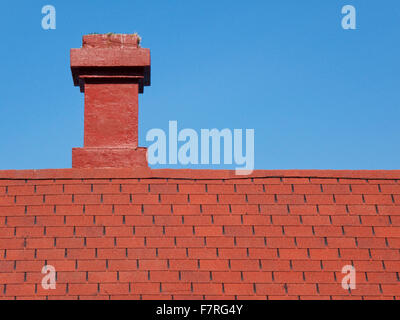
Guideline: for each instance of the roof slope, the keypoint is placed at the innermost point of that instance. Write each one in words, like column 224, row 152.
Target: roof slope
column 199, row 234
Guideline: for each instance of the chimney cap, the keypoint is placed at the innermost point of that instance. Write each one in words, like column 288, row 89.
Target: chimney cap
column 111, row 40
column 111, row 57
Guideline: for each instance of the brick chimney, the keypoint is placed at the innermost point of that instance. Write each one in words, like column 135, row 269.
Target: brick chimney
column 111, row 70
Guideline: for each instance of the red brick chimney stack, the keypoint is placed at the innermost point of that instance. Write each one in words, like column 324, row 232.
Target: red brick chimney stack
column 111, row 70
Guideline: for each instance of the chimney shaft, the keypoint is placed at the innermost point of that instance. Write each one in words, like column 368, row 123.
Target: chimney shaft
column 111, row 70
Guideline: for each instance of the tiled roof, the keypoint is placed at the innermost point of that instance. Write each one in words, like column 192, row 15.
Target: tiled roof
column 199, row 234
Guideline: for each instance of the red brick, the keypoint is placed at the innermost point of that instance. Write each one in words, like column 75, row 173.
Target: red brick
column 116, row 199
column 232, row 220
column 378, row 199
column 21, row 190
column 114, row 288
column 293, row 254
column 208, row 231
column 238, row 288
column 192, row 189
column 145, row 288
column 127, row 209
column 245, row 189
column 358, row 231
column 390, row 266
column 250, row 242
column 158, row 242
column 163, row 189
column 332, row 209
column 216, row 209
column 27, row 200
column 232, row 253
column 245, row 265
column 100, row 242
column 90, row 231
column 134, row 188
column 253, row 219
column 145, row 199
column 315, row 220
column 189, row 242
column 390, row 189
column 270, row 289
column 341, row 242
column 95, row 265
column 296, row 180
column 60, row 199
column 207, row 288
column 186, row 264
column 172, row 253
column 49, row 221
column 122, row 231
column 385, row 254
column 269, row 231
column 77, row 188
column 214, row 265
column 238, row 230
column 239, row 199
column 303, row 209
column 320, row 277
column 391, row 289
column 200, row 199
column 336, row 189
column 202, row 253
column 319, row 199
column 364, row 189
column 328, row 231
column 248, row 276
column 290, row 199
column 348, row 199
column 12, row 210
column 288, row 277
column 306, row 265
column 222, row 242
column 49, row 189
column 345, row 220
column 382, row 277
column 71, row 277
column 46, row 254
column 102, row 277
column 133, row 276
column 302, row 289
column 82, row 289
column 244, row 209
column 142, row 253
column 31, row 243
column 307, row 189
column 375, row 221
column 298, row 231
column 280, row 242
column 178, row 231
column 274, row 209
column 389, row 210
column 67, row 210
column 29, row 231
column 185, row 209
column 152, row 264
column 87, row 199
column 164, row 276
column 167, row 220
column 20, row 290
column 18, row 254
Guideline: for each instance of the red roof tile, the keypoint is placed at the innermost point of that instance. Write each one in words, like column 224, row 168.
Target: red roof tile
column 199, row 234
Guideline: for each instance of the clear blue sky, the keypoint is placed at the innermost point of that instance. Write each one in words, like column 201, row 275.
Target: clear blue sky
column 318, row 96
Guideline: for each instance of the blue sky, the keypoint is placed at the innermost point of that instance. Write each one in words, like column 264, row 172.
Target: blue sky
column 318, row 96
